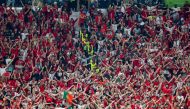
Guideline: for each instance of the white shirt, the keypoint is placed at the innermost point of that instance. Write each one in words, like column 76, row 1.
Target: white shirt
column 151, row 8
column 176, row 9
column 81, row 106
column 142, row 23
column 158, row 20
column 24, row 54
column 179, row 85
column 51, row 75
column 170, row 29
column 123, row 9
column 7, row 61
column 128, row 31
column 181, row 98
column 113, row 53
column 161, row 32
column 184, row 28
column 101, row 43
column 153, row 50
column 114, row 27
column 24, row 35
column 143, row 61
column 2, row 71
column 150, row 62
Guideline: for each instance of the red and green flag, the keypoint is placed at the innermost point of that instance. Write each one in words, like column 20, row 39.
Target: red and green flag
column 68, row 96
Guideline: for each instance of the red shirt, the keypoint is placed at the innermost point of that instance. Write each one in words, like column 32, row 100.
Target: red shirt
column 144, row 14
column 132, row 106
column 147, row 83
column 118, row 70
column 104, row 62
column 42, row 89
column 45, row 9
column 98, row 19
column 111, row 14
column 188, row 103
column 65, row 17
column 70, row 82
column 26, row 76
column 104, row 28
column 156, row 83
column 136, row 62
column 48, row 99
column 15, row 51
column 164, row 18
column 2, row 9
column 122, row 56
column 105, row 103
column 82, row 18
column 20, row 63
column 31, row 18
column 128, row 9
column 4, row 52
column 166, row 90
column 21, row 16
column 110, row 35
column 12, row 83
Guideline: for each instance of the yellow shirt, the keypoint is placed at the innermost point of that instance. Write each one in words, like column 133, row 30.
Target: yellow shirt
column 151, row 17
column 93, row 65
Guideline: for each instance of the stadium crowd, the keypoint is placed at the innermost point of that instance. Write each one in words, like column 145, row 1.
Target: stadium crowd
column 133, row 57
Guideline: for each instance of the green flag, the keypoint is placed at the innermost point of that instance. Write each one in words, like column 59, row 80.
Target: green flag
column 65, row 93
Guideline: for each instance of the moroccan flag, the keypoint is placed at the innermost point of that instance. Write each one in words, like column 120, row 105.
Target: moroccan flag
column 68, row 97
